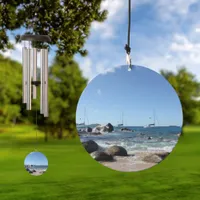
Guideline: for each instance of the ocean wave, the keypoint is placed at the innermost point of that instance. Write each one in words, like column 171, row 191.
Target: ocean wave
column 133, row 146
column 133, row 142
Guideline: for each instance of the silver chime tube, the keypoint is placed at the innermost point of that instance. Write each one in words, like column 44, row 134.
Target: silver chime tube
column 45, row 75
column 44, row 82
column 28, row 105
column 34, row 54
column 41, row 80
column 24, row 74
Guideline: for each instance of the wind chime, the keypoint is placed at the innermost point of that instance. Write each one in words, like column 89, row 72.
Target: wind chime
column 30, row 57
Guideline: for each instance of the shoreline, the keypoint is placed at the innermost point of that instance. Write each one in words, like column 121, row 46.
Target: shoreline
column 118, row 158
column 127, row 164
column 134, row 161
column 37, row 173
column 113, row 154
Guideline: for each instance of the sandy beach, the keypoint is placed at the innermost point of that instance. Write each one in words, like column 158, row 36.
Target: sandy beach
column 131, row 163
column 132, row 151
column 37, row 173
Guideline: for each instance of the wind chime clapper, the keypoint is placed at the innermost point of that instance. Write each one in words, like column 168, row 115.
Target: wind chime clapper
column 29, row 63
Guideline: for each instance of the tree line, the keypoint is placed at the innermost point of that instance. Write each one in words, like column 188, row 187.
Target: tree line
column 66, row 84
column 68, row 23
column 187, row 88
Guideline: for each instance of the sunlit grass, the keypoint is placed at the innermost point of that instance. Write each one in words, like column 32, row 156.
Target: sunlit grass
column 192, row 129
column 73, row 174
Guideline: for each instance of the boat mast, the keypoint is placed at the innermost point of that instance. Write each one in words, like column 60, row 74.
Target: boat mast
column 84, row 115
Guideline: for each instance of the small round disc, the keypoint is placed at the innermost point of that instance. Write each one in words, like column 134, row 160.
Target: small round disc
column 129, row 120
column 36, row 163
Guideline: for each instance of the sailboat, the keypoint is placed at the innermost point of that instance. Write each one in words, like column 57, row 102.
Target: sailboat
column 152, row 124
column 122, row 124
column 83, row 124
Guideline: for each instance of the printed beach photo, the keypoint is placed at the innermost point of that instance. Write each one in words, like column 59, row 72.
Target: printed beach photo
column 129, row 120
column 36, row 163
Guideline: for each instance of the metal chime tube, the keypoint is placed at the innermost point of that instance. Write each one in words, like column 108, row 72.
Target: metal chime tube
column 41, row 80
column 29, row 78
column 34, row 54
column 44, row 82
column 24, row 74
column 28, row 105
column 45, row 75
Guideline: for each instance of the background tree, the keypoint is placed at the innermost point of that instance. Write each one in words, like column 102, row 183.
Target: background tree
column 65, row 87
column 188, row 89
column 67, row 22
column 10, row 90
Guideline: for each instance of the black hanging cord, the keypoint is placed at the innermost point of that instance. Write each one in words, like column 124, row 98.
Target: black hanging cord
column 127, row 46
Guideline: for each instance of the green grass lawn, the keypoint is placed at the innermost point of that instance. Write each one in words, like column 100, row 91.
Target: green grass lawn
column 73, row 174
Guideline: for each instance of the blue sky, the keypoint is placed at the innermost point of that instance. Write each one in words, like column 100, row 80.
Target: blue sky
column 137, row 94
column 36, row 158
column 165, row 34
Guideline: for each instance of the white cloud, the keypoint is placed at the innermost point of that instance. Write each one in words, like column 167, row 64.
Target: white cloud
column 165, row 53
column 7, row 53
column 106, row 28
column 113, row 6
column 197, row 30
column 181, row 52
column 168, row 9
column 102, row 69
column 162, row 52
column 182, row 47
column 168, row 56
column 156, row 62
column 15, row 53
column 181, row 43
column 117, row 10
column 186, row 50
column 86, row 67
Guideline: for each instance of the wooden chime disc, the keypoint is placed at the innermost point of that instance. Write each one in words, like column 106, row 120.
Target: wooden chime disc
column 41, row 38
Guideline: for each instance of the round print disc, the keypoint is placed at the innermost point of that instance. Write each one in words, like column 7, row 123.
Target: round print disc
column 36, row 163
column 129, row 120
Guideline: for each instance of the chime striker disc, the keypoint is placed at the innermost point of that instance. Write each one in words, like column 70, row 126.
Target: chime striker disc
column 42, row 38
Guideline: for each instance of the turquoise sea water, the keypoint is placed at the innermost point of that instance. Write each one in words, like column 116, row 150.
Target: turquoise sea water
column 162, row 138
